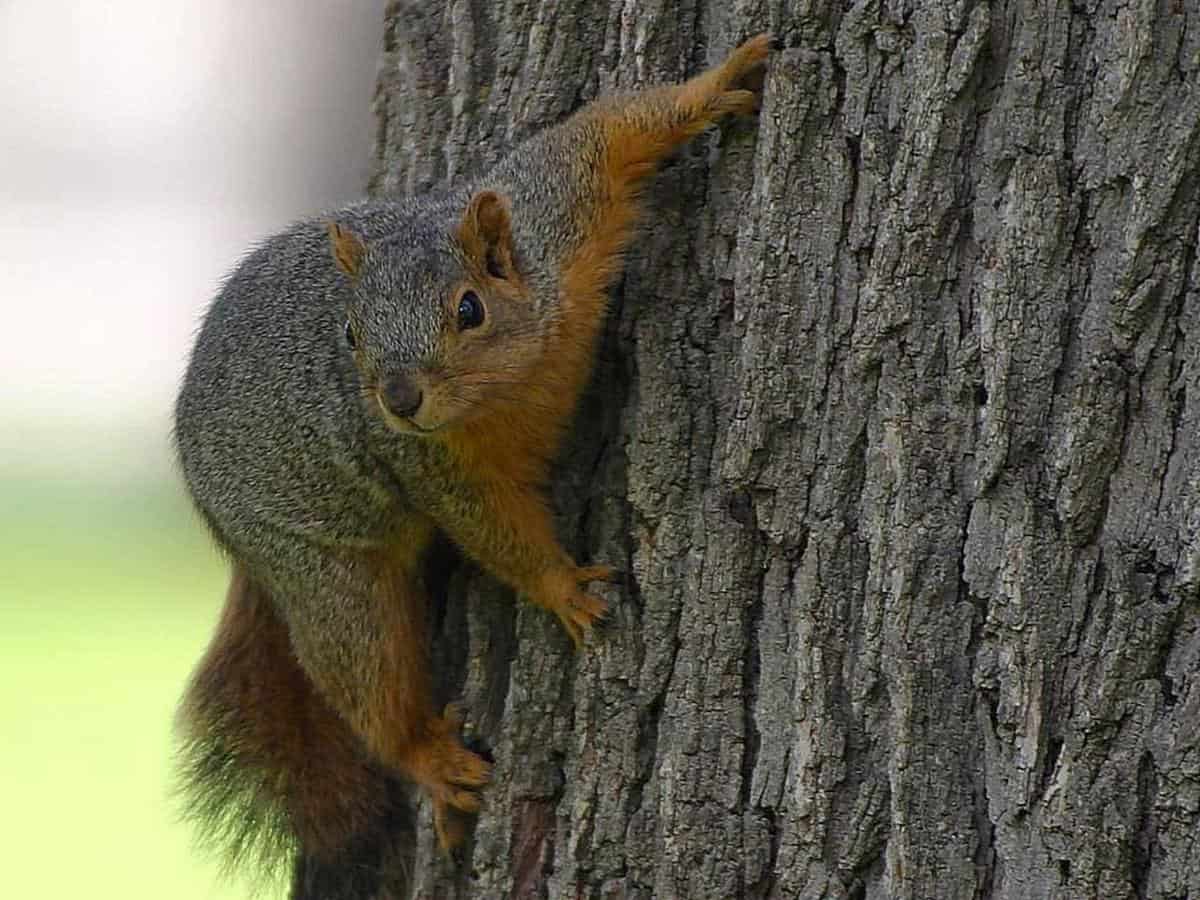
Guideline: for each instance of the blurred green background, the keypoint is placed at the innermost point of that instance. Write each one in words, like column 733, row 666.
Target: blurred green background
column 145, row 146
column 108, row 595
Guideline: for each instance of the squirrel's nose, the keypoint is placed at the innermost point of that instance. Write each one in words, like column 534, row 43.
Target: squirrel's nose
column 402, row 395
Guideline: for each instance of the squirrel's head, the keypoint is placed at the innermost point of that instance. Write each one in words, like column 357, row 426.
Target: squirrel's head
column 441, row 323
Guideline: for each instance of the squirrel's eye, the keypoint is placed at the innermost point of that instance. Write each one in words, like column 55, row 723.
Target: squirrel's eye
column 470, row 311
column 350, row 339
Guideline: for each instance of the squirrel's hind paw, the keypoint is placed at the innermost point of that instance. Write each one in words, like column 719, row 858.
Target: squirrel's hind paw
column 453, row 775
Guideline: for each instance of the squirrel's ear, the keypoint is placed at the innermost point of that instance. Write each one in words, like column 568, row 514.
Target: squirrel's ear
column 348, row 249
column 486, row 234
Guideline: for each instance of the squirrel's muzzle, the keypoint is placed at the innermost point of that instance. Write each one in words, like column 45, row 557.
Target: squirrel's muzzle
column 401, row 395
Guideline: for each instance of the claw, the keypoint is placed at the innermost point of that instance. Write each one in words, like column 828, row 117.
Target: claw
column 753, row 51
column 451, row 773
column 560, row 592
column 598, row 573
column 467, row 801
column 450, row 828
column 454, row 715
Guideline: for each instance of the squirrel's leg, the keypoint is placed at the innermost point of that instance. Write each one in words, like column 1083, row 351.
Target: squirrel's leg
column 640, row 130
column 628, row 137
column 507, row 528
column 360, row 635
column 252, row 723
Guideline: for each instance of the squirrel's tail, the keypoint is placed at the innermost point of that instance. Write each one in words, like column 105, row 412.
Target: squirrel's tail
column 276, row 781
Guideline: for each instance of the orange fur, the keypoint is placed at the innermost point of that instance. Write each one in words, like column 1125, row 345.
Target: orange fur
column 400, row 725
column 400, row 705
column 348, row 249
column 507, row 451
column 279, row 725
column 316, row 764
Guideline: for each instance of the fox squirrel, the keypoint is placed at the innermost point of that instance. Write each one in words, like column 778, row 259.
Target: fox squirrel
column 357, row 387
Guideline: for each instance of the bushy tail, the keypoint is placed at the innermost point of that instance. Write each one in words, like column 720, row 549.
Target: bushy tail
column 276, row 782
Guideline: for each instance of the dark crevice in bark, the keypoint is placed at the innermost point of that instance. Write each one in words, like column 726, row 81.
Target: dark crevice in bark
column 867, row 871
column 649, row 720
column 765, row 886
column 497, row 660
column 1054, row 746
column 985, row 833
column 1064, row 872
column 1093, row 594
column 1177, row 385
column 1146, row 836
column 750, row 729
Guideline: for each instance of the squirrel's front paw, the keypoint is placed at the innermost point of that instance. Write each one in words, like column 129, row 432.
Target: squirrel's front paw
column 737, row 83
column 561, row 592
column 747, row 57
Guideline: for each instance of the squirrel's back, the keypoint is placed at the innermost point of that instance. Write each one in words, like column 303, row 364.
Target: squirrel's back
column 268, row 423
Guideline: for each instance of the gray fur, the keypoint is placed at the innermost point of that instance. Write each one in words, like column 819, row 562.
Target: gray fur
column 274, row 438
column 285, row 449
column 292, row 466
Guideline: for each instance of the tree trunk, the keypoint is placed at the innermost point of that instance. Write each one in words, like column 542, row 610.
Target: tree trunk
column 894, row 431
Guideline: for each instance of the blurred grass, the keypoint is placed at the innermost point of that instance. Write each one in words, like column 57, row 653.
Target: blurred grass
column 108, row 594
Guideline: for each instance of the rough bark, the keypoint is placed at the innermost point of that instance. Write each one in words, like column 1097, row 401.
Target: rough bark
column 895, row 432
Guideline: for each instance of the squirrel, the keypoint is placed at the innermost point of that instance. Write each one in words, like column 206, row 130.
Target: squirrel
column 362, row 383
